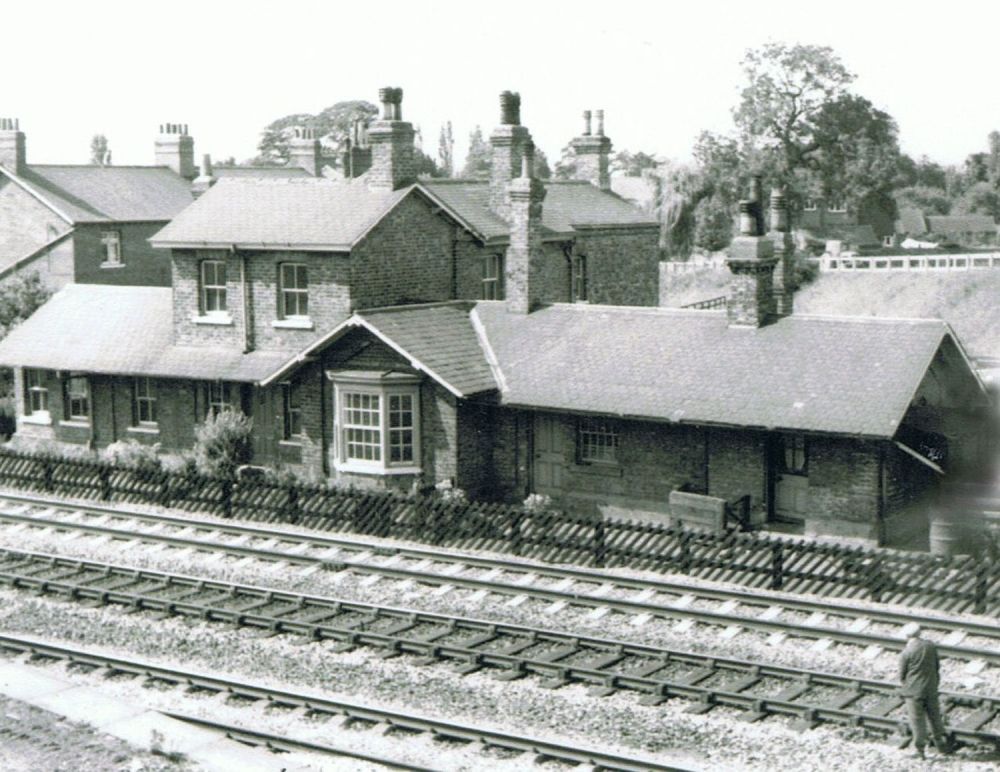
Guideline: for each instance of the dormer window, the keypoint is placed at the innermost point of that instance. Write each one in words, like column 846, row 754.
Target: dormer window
column 213, row 286
column 111, row 244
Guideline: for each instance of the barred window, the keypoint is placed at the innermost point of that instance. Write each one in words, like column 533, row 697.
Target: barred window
column 596, row 441
column 493, row 277
column 291, row 399
column 213, row 286
column 36, row 392
column 143, row 402
column 294, row 290
column 77, row 393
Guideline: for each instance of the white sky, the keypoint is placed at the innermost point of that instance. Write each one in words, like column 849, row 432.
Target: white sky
column 661, row 71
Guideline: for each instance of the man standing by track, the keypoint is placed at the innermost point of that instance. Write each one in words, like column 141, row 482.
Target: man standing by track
column 918, row 674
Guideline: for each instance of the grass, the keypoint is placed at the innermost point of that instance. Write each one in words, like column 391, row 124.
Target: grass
column 968, row 300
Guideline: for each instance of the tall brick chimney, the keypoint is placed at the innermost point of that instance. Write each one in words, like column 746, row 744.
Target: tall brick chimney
column 784, row 251
column 752, row 262
column 391, row 141
column 12, row 145
column 357, row 158
column 304, row 150
column 175, row 149
column 508, row 141
column 593, row 152
column 205, row 178
column 523, row 265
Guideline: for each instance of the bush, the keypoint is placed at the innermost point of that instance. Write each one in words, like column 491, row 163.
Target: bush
column 8, row 419
column 804, row 271
column 537, row 503
column 223, row 443
column 450, row 494
column 144, row 459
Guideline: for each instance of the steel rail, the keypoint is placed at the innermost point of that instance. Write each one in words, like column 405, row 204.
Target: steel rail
column 320, row 704
column 605, row 665
column 817, row 631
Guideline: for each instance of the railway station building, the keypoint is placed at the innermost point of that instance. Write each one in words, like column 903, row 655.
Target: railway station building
column 503, row 334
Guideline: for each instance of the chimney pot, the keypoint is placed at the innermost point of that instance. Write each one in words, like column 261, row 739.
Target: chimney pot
column 510, row 108
column 600, row 123
column 528, row 160
column 586, row 123
column 779, row 211
column 748, row 222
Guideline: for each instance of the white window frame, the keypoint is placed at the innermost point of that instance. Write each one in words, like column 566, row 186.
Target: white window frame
column 111, row 241
column 838, row 206
column 218, row 397
column 220, row 290
column 35, row 391
column 809, row 205
column 493, row 277
column 288, row 410
column 293, row 299
column 578, row 285
column 598, row 441
column 76, row 392
column 143, row 394
column 384, row 387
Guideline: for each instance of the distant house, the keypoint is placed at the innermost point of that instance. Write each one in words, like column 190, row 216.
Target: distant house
column 867, row 223
column 968, row 230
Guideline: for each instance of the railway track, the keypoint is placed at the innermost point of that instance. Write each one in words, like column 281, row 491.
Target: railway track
column 826, row 622
column 318, row 704
column 510, row 651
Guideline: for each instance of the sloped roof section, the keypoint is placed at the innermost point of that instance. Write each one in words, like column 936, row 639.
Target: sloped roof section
column 123, row 331
column 470, row 200
column 308, row 213
column 850, row 376
column 280, row 172
column 967, row 223
column 110, row 193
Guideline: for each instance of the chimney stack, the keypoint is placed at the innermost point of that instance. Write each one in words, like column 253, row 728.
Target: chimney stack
column 751, row 260
column 12, row 146
column 357, row 158
column 523, row 265
column 391, row 141
column 205, row 179
column 304, row 150
column 175, row 149
column 593, row 152
column 508, row 141
column 784, row 252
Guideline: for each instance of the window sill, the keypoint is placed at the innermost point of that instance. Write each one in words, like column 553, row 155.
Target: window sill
column 600, row 468
column 355, row 468
column 299, row 323
column 143, row 429
column 223, row 320
column 75, row 424
column 112, row 265
column 39, row 419
column 290, row 443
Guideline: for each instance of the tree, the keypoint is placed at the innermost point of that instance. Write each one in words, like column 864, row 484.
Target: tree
column 632, row 164
column 713, row 228
column 566, row 165
column 542, row 169
column 680, row 189
column 100, row 155
column 478, row 160
column 981, row 198
column 334, row 126
column 446, row 151
column 20, row 298
column 927, row 200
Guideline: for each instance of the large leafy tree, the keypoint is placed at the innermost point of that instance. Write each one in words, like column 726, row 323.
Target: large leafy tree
column 633, row 164
column 333, row 127
column 446, row 151
column 478, row 159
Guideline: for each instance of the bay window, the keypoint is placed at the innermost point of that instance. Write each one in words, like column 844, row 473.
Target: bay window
column 377, row 424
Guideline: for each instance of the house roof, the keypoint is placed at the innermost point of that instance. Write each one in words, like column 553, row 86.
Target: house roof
column 846, row 375
column 968, row 223
column 640, row 190
column 126, row 331
column 107, row 193
column 911, row 221
column 283, row 172
column 314, row 213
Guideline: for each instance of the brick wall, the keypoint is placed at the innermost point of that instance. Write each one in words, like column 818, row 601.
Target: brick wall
column 25, row 224
column 185, row 265
column 844, row 488
column 141, row 264
column 405, row 258
column 623, row 266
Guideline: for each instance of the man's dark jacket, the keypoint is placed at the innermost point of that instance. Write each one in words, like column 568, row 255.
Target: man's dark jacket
column 918, row 668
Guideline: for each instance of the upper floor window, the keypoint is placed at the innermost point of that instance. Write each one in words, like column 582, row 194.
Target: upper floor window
column 36, row 393
column 218, row 397
column 837, row 205
column 293, row 291
column 596, row 441
column 578, row 278
column 77, row 398
column 111, row 245
column 143, row 402
column 213, row 286
column 809, row 205
column 291, row 410
column 493, row 277
column 378, row 422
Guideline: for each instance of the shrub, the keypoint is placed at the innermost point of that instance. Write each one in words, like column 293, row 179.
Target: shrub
column 223, row 443
column 804, row 271
column 144, row 459
column 537, row 503
column 8, row 420
column 450, row 494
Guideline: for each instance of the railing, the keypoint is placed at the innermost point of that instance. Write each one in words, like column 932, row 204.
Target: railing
column 719, row 302
column 758, row 560
column 911, row 262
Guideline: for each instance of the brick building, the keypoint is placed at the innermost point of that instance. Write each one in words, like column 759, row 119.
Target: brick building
column 92, row 223
column 503, row 334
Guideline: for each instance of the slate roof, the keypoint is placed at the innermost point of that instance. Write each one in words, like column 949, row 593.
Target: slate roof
column 109, row 193
column 125, row 331
column 282, row 172
column 853, row 376
column 306, row 213
column 911, row 221
column 969, row 223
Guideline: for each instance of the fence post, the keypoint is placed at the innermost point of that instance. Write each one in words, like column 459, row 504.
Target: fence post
column 875, row 579
column 516, row 518
column 777, row 565
column 292, row 504
column 685, row 540
column 982, row 583
column 227, row 498
column 598, row 543
column 105, row 475
column 47, row 485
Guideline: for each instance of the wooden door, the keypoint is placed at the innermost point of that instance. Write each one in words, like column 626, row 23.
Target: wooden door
column 791, row 485
column 549, row 456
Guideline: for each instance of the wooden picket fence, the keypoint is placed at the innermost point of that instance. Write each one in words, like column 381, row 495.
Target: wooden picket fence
column 751, row 559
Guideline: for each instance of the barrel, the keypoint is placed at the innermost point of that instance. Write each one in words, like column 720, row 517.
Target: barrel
column 946, row 537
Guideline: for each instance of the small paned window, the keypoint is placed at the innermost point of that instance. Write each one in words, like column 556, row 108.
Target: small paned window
column 362, row 426
column 291, row 406
column 795, row 454
column 143, row 402
column 77, row 398
column 294, row 290
column 400, row 428
column 596, row 441
column 213, row 286
column 218, row 397
column 578, row 278
column 35, row 392
column 111, row 243
column 493, row 277
column 377, row 423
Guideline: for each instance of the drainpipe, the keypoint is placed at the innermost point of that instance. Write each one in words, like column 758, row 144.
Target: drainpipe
column 247, row 329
